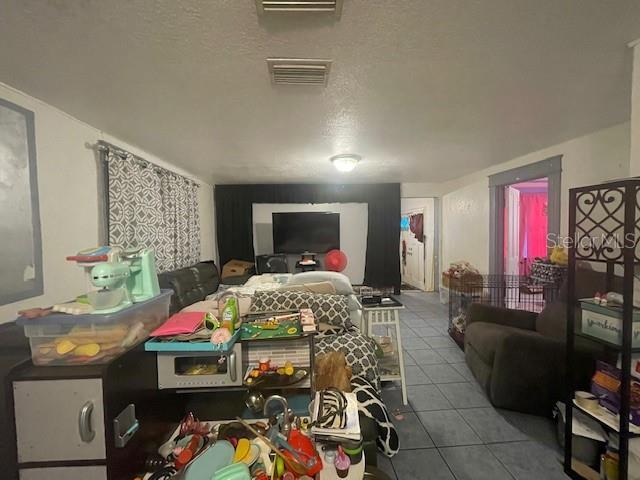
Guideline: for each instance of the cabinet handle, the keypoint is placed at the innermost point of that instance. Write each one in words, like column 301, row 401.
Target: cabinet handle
column 232, row 366
column 84, row 423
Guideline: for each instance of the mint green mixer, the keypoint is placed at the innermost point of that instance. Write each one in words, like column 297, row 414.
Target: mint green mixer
column 127, row 278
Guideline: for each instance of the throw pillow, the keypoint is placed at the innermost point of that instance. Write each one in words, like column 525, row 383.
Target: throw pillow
column 371, row 405
column 332, row 309
column 278, row 301
column 360, row 352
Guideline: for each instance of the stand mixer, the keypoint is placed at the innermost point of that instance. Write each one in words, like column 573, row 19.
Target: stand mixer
column 124, row 278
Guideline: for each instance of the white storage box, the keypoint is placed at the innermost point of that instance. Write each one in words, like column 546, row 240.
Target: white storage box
column 605, row 323
column 62, row 339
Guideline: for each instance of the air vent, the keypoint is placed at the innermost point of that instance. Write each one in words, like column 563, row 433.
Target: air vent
column 308, row 6
column 296, row 71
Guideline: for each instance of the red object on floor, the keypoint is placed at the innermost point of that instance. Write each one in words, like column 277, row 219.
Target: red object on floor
column 335, row 260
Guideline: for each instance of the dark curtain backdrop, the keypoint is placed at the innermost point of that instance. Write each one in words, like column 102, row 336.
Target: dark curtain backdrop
column 234, row 220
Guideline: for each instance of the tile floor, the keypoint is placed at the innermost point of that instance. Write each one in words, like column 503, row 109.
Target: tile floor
column 449, row 429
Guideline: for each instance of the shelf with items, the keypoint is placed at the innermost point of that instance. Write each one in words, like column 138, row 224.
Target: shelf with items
column 390, row 371
column 606, row 418
column 604, row 223
column 382, row 321
column 612, row 346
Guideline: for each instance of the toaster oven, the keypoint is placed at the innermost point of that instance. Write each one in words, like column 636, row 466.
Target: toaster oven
column 200, row 369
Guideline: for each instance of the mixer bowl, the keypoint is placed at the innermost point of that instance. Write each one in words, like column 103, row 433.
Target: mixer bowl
column 106, row 299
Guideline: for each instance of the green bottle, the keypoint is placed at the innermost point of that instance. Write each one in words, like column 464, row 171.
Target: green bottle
column 230, row 314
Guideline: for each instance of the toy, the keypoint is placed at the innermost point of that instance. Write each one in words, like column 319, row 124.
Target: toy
column 303, row 448
column 342, row 464
column 335, row 260
column 230, row 314
column 242, row 450
column 220, row 336
column 90, row 257
column 264, row 365
column 307, row 320
column 559, row 256
column 332, row 372
column 274, row 326
column 188, row 452
column 212, row 459
column 118, row 277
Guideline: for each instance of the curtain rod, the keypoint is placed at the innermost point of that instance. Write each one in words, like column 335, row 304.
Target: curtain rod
column 107, row 147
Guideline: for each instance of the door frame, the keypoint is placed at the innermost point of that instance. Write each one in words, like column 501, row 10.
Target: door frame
column 423, row 260
column 437, row 239
column 550, row 168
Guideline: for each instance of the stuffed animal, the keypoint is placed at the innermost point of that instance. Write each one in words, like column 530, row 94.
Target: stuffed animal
column 332, row 371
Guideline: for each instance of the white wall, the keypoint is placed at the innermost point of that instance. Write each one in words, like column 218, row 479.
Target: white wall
column 354, row 220
column 593, row 158
column 421, row 190
column 68, row 197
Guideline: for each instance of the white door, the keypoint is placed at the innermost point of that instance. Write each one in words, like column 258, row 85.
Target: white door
column 512, row 231
column 412, row 249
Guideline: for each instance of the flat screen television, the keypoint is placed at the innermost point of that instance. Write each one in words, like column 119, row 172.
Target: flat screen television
column 299, row 232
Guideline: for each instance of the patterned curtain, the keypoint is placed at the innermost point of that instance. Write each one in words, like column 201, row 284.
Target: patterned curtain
column 151, row 207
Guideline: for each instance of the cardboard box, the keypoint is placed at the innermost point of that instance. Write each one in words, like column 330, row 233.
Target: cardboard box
column 236, row 268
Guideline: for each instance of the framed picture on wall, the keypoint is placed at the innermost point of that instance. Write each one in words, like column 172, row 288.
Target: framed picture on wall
column 20, row 239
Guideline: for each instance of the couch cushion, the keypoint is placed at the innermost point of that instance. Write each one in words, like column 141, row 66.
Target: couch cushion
column 552, row 321
column 485, row 337
column 190, row 284
column 481, row 371
column 340, row 281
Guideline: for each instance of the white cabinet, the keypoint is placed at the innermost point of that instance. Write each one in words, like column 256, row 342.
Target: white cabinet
column 65, row 473
column 58, row 420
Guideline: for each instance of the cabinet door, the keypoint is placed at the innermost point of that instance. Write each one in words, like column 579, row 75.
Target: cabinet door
column 65, row 473
column 59, row 420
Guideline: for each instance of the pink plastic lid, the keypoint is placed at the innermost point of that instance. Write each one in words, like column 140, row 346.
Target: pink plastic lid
column 342, row 461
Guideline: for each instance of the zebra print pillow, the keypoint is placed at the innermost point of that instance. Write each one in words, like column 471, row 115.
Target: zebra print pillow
column 370, row 404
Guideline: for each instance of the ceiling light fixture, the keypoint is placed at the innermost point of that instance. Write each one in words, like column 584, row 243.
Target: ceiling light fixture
column 346, row 162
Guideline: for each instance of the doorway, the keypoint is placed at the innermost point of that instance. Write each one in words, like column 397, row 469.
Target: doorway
column 526, row 224
column 417, row 243
column 524, row 215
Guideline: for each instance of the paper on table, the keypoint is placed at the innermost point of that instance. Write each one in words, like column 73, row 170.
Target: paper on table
column 180, row 323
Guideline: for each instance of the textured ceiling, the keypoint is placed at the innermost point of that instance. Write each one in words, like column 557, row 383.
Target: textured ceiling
column 425, row 90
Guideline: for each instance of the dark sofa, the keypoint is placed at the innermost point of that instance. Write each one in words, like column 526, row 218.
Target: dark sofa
column 518, row 357
column 190, row 284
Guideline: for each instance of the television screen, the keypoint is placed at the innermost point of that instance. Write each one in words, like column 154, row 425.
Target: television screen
column 299, row 232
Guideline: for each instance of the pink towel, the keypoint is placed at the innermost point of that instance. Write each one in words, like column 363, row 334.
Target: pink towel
column 179, row 324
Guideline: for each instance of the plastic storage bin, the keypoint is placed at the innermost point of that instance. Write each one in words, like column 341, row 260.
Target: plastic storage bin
column 61, row 339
